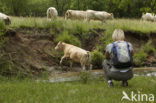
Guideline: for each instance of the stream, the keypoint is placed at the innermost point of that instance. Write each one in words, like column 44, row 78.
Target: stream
column 73, row 76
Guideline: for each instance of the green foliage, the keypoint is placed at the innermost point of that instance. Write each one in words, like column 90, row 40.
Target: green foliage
column 149, row 48
column 57, row 25
column 85, row 76
column 139, row 58
column 120, row 8
column 67, row 38
column 97, row 59
column 3, row 29
column 6, row 66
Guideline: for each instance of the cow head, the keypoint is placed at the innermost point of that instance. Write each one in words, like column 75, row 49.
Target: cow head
column 112, row 15
column 7, row 21
column 68, row 14
column 59, row 46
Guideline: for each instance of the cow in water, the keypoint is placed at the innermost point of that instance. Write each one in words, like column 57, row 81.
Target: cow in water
column 76, row 54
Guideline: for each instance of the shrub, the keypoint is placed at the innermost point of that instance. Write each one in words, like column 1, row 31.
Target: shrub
column 2, row 26
column 3, row 29
column 79, row 29
column 139, row 58
column 97, row 58
column 149, row 48
column 85, row 76
column 57, row 25
column 65, row 37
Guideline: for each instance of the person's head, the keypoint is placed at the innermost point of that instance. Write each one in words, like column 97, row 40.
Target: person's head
column 118, row 35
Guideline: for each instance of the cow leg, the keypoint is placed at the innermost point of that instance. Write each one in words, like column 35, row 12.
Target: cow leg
column 71, row 64
column 83, row 66
column 62, row 59
column 90, row 66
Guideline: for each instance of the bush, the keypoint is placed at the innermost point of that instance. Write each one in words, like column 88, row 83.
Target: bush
column 97, row 58
column 149, row 48
column 79, row 29
column 65, row 37
column 85, row 76
column 3, row 29
column 57, row 25
column 139, row 58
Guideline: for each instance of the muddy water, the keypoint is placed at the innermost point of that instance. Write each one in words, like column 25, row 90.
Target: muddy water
column 73, row 76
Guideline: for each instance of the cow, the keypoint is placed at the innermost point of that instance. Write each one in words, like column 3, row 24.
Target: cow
column 52, row 13
column 148, row 17
column 98, row 15
column 76, row 54
column 5, row 18
column 75, row 14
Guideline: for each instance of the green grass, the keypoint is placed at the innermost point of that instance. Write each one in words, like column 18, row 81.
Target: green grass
column 81, row 27
column 125, row 24
column 26, row 91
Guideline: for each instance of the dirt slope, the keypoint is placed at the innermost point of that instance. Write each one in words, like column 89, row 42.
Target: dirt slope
column 33, row 50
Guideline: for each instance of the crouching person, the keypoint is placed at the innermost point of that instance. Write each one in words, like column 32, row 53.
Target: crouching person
column 118, row 62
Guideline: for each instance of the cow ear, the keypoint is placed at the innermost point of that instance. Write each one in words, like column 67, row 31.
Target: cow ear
column 69, row 13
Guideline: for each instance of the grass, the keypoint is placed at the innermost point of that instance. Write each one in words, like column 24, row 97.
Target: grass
column 82, row 27
column 30, row 91
column 125, row 24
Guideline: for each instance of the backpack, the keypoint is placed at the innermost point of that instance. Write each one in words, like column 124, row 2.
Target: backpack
column 122, row 57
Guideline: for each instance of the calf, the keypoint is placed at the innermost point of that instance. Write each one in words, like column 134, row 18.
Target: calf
column 76, row 54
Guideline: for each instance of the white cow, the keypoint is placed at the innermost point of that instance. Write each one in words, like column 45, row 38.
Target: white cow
column 148, row 17
column 75, row 14
column 5, row 18
column 76, row 54
column 52, row 13
column 98, row 15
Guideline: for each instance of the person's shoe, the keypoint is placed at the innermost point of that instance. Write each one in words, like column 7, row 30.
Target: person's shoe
column 124, row 83
column 110, row 84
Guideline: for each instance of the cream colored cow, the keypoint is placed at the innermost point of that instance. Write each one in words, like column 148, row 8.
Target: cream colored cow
column 75, row 14
column 5, row 18
column 148, row 17
column 76, row 54
column 52, row 13
column 98, row 15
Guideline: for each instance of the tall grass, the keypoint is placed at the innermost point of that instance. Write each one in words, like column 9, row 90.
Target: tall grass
column 28, row 91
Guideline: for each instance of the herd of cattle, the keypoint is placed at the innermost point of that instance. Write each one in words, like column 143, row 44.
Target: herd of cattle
column 82, row 15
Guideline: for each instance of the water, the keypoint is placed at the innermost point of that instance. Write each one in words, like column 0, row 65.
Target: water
column 74, row 76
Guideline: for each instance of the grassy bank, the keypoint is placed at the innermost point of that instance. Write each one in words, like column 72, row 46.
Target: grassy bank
column 92, row 36
column 75, row 31
column 125, row 24
column 29, row 91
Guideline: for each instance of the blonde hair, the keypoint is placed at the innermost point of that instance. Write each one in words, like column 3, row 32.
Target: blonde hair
column 118, row 34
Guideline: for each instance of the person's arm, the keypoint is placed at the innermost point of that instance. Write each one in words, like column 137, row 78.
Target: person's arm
column 107, row 55
column 132, row 53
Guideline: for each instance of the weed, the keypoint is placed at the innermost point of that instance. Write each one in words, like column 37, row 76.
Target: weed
column 97, row 58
